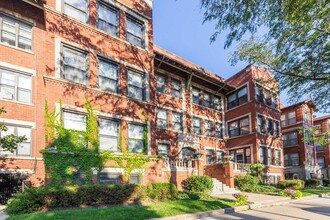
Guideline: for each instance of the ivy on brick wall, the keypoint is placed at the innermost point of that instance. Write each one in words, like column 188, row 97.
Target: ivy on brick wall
column 71, row 154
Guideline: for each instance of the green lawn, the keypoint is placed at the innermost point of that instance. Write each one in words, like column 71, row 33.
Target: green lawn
column 155, row 210
column 315, row 191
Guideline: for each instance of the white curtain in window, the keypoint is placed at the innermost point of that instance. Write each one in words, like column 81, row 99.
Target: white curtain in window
column 74, row 121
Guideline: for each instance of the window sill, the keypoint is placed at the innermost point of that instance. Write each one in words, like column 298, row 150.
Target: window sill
column 228, row 110
column 202, row 106
column 6, row 156
column 16, row 102
column 243, row 135
column 168, row 95
column 291, row 146
column 17, row 48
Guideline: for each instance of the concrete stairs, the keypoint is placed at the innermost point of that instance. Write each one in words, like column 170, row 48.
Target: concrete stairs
column 221, row 188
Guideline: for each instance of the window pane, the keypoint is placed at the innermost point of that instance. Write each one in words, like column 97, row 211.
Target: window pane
column 24, row 96
column 136, row 93
column 135, row 131
column 7, row 92
column 135, row 79
column 135, row 146
column 108, row 127
column 108, row 70
column 217, row 103
column 108, row 19
column 134, row 32
column 75, row 13
column 74, row 121
column 161, row 85
column 7, row 78
column 163, row 150
column 242, row 92
column 24, row 82
column 108, row 143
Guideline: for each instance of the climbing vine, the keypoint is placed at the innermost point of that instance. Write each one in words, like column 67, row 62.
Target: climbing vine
column 71, row 153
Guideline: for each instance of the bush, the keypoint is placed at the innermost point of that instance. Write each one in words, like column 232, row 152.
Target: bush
column 312, row 183
column 198, row 184
column 266, row 189
column 241, row 199
column 294, row 194
column 162, row 191
column 294, row 184
column 326, row 182
column 246, row 183
column 34, row 199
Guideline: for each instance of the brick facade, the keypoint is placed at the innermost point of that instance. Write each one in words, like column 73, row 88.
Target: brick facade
column 205, row 118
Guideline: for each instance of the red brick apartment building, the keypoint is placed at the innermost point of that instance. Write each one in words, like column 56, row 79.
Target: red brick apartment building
column 299, row 157
column 103, row 49
column 323, row 153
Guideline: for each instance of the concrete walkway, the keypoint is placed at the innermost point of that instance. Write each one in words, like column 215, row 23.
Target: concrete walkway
column 257, row 199
column 3, row 215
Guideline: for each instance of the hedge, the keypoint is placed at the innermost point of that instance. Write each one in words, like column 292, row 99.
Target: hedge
column 312, row 183
column 200, row 184
column 326, row 182
column 292, row 184
column 45, row 197
column 246, row 183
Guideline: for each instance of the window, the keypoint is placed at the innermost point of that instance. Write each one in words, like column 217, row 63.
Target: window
column 274, row 101
column 162, row 121
column 15, row 33
column 176, row 88
column 188, row 153
column 108, row 76
column 320, row 162
column 290, row 139
column 74, row 65
column 177, row 121
column 107, row 19
column 242, row 155
column 163, row 150
column 259, row 97
column 74, row 121
column 196, row 96
column 307, row 117
column 270, row 157
column 134, row 178
column 134, row 31
column 261, row 124
column 24, row 148
column 269, row 126
column 135, row 87
column 278, row 157
column 217, row 103
column 197, row 125
column 108, row 135
column 262, row 155
column 291, row 159
column 239, row 127
column 308, row 138
column 161, row 83
column 288, row 118
column 207, row 99
column 110, row 178
column 220, row 155
column 208, row 128
column 267, row 97
column 237, row 98
column 135, row 138
column 15, row 86
column 218, row 130
column 210, row 156
column 276, row 129
column 77, row 9
column 318, row 147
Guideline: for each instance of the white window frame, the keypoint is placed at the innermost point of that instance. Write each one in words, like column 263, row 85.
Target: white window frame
column 111, row 8
column 78, row 9
column 162, row 122
column 109, row 135
column 117, row 81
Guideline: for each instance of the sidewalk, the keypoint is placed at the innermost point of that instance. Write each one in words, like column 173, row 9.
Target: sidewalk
column 3, row 215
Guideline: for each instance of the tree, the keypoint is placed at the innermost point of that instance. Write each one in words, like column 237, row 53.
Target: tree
column 296, row 47
column 310, row 135
column 9, row 142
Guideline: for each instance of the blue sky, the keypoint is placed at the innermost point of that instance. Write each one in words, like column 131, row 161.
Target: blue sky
column 179, row 28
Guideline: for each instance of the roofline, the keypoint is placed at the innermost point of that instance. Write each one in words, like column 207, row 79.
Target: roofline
column 191, row 68
column 308, row 101
column 322, row 118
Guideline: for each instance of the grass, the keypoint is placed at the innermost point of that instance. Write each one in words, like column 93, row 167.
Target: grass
column 315, row 191
column 155, row 210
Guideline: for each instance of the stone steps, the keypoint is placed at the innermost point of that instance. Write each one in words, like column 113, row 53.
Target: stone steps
column 222, row 188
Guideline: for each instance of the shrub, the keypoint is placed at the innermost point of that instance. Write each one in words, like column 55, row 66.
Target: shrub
column 162, row 191
column 34, row 199
column 198, row 184
column 294, row 194
column 294, row 184
column 241, row 199
column 312, row 183
column 246, row 183
column 266, row 189
column 326, row 182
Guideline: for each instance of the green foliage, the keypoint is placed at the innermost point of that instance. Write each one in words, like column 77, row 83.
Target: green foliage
column 312, row 183
column 310, row 136
column 326, row 182
column 198, row 184
column 257, row 170
column 34, row 199
column 246, row 183
column 294, row 194
column 295, row 48
column 293, row 184
column 241, row 199
column 70, row 151
column 162, row 191
column 9, row 142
